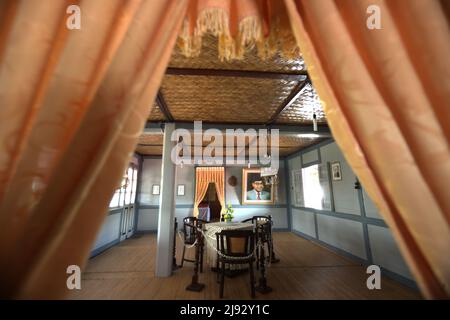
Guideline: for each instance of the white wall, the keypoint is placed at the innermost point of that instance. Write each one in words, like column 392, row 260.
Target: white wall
column 354, row 227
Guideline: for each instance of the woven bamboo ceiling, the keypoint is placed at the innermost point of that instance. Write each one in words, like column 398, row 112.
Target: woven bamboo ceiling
column 276, row 91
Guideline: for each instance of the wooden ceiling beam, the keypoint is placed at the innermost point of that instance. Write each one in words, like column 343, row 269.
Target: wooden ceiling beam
column 295, row 93
column 284, row 129
column 300, row 76
column 163, row 107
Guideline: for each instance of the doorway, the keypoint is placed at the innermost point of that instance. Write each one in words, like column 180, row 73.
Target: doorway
column 211, row 200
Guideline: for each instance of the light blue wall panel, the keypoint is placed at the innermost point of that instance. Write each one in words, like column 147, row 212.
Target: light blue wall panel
column 186, row 176
column 109, row 231
column 385, row 251
column 342, row 233
column 148, row 220
column 279, row 215
column 303, row 221
column 151, row 174
column 345, row 194
column 370, row 208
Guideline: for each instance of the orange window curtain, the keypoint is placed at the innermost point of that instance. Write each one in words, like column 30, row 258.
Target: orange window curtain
column 73, row 103
column 203, row 177
column 386, row 96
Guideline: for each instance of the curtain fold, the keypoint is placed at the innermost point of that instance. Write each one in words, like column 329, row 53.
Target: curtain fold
column 76, row 102
column 203, row 177
column 220, row 188
column 385, row 93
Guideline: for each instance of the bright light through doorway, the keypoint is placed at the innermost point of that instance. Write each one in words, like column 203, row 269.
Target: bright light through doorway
column 312, row 191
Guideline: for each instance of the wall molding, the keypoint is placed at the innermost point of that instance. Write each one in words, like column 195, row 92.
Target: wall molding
column 239, row 206
column 347, row 216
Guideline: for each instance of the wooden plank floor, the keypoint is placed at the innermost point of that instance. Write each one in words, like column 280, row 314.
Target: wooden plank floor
column 306, row 271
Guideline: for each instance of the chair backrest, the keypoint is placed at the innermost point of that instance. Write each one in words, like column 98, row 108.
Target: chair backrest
column 261, row 219
column 189, row 229
column 236, row 243
column 264, row 231
column 200, row 223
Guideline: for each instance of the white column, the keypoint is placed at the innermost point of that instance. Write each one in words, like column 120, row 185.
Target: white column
column 166, row 207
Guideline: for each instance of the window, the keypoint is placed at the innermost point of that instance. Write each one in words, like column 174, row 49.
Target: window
column 126, row 193
column 312, row 190
column 133, row 191
column 128, row 185
column 297, row 187
column 115, row 199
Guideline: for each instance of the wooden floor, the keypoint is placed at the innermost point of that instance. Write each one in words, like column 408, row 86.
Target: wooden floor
column 306, row 271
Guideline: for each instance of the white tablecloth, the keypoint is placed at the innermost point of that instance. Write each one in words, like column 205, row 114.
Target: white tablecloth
column 210, row 237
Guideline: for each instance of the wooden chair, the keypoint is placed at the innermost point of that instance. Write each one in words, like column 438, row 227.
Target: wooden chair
column 236, row 247
column 189, row 236
column 268, row 239
column 263, row 235
column 258, row 219
column 200, row 223
column 190, row 225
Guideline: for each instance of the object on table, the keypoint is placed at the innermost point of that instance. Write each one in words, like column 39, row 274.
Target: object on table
column 204, row 212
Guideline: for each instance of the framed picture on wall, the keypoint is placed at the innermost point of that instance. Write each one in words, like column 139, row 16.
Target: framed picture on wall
column 155, row 189
column 336, row 173
column 180, row 190
column 254, row 188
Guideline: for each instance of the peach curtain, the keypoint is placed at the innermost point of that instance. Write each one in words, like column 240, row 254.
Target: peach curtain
column 203, row 177
column 386, row 95
column 75, row 103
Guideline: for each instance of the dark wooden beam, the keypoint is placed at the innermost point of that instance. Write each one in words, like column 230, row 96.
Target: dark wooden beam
column 284, row 129
column 149, row 145
column 301, row 75
column 163, row 107
column 296, row 92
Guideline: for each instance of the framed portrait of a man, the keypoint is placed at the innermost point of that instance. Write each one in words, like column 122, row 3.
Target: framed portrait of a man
column 254, row 188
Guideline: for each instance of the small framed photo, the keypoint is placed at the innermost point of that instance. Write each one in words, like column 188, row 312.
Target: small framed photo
column 155, row 189
column 336, row 173
column 180, row 190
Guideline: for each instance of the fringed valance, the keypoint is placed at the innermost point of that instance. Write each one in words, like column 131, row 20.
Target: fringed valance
column 240, row 26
